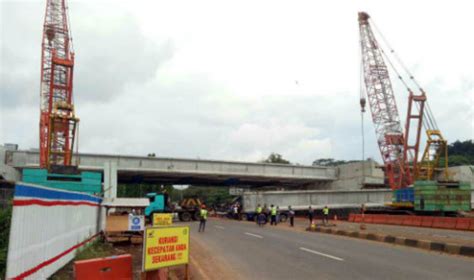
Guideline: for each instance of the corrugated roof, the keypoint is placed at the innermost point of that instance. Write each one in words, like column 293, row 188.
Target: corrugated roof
column 126, row 202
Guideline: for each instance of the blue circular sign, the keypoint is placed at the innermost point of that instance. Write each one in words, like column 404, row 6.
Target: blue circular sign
column 136, row 221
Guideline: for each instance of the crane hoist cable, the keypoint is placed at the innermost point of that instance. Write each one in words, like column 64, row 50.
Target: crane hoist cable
column 436, row 144
column 428, row 114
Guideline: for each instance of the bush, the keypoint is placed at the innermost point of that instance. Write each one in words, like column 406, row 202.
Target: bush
column 5, row 220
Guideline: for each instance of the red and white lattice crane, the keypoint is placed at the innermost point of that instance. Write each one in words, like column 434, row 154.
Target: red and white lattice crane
column 401, row 158
column 58, row 123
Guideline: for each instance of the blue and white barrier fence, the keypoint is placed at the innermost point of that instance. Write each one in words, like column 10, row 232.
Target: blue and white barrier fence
column 47, row 227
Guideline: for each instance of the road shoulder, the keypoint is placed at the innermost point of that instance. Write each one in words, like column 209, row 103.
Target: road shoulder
column 205, row 265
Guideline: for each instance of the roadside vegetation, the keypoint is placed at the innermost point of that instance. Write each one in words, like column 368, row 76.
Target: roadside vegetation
column 5, row 219
column 461, row 153
column 208, row 194
column 98, row 249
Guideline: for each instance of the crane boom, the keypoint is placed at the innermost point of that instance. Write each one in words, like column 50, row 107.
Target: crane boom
column 383, row 107
column 58, row 123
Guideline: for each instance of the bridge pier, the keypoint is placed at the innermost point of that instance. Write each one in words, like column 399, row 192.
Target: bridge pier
column 110, row 180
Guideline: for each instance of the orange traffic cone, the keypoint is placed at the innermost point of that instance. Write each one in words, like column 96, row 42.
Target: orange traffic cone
column 335, row 217
column 313, row 225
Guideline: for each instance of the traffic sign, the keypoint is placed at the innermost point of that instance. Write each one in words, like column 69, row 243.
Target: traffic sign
column 136, row 223
column 165, row 246
column 162, row 219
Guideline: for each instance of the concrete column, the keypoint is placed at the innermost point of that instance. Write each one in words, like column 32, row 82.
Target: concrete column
column 110, row 180
column 7, row 172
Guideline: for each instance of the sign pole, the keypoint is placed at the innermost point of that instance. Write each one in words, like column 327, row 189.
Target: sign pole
column 186, row 272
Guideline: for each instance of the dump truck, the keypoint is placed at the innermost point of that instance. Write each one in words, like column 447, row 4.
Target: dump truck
column 187, row 209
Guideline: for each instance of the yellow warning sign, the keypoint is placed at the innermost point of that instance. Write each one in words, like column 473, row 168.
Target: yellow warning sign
column 165, row 246
column 162, row 219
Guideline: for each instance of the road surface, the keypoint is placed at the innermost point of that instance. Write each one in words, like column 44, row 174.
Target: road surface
column 283, row 253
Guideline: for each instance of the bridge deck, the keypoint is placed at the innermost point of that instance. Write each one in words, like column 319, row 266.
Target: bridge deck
column 190, row 171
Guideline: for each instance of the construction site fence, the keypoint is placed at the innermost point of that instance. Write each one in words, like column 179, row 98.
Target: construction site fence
column 48, row 227
column 453, row 223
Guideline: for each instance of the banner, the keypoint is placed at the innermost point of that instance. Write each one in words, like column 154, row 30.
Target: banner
column 165, row 246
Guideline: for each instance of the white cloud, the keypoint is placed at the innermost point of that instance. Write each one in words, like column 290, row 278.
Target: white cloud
column 234, row 80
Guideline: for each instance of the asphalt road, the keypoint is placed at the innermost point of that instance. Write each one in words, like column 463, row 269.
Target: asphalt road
column 283, row 253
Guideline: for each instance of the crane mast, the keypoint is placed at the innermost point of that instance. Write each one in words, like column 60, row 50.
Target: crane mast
column 383, row 107
column 58, row 123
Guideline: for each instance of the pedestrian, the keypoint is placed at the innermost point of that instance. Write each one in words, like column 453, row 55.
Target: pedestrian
column 261, row 219
column 291, row 213
column 258, row 211
column 236, row 212
column 203, row 216
column 278, row 215
column 239, row 211
column 325, row 215
column 273, row 216
column 310, row 215
column 266, row 211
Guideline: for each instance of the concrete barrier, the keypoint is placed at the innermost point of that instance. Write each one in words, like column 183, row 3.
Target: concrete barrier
column 115, row 267
column 418, row 221
column 48, row 226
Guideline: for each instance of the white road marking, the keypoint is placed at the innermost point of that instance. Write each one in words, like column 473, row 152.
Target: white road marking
column 321, row 254
column 254, row 235
column 220, row 227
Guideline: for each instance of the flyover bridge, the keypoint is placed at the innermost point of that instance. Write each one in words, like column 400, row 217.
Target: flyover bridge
column 139, row 169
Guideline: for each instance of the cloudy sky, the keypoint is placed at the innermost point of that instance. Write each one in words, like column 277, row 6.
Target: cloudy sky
column 234, row 80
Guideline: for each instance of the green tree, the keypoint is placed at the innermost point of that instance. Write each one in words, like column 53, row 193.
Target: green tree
column 140, row 190
column 276, row 158
column 207, row 194
column 460, row 153
column 330, row 162
column 211, row 195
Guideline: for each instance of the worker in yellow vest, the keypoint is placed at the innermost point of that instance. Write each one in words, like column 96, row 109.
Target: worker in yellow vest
column 203, row 216
column 325, row 215
column 258, row 211
column 273, row 215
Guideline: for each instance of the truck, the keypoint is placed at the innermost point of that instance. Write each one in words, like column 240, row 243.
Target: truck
column 187, row 209
column 340, row 202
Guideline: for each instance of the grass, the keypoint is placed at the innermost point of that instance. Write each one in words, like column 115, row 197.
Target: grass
column 98, row 249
